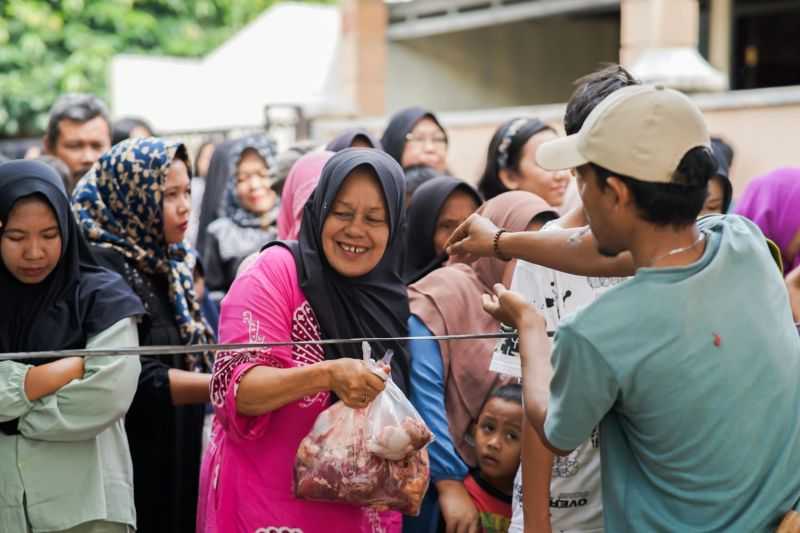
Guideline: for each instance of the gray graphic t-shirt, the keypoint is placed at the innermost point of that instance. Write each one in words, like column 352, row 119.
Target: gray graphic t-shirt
column 575, row 489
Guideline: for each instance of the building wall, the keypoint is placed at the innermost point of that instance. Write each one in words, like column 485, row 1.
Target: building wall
column 760, row 124
column 521, row 63
column 764, row 138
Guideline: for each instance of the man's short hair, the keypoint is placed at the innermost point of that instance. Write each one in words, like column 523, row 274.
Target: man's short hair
column 591, row 90
column 664, row 204
column 674, row 204
column 79, row 107
column 122, row 128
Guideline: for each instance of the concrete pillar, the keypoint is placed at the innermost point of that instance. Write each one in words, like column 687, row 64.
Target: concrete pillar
column 719, row 42
column 659, row 44
column 363, row 55
column 648, row 24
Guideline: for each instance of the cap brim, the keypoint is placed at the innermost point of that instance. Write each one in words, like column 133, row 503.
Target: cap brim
column 560, row 154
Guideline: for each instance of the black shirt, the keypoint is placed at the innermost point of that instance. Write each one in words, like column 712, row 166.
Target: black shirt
column 165, row 441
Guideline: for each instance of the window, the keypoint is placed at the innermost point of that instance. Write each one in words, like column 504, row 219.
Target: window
column 766, row 41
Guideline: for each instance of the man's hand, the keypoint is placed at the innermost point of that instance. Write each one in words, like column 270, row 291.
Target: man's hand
column 510, row 308
column 473, row 239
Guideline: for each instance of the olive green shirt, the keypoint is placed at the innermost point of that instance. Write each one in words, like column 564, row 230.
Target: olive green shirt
column 70, row 464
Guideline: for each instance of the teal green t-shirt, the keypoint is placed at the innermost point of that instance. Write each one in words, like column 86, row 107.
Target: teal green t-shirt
column 693, row 375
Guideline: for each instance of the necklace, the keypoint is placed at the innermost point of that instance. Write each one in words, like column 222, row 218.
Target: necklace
column 676, row 251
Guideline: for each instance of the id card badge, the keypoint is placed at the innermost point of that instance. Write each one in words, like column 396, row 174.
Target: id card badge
column 505, row 359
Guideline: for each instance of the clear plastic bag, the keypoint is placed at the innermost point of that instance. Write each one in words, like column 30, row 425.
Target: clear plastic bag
column 337, row 460
column 395, row 429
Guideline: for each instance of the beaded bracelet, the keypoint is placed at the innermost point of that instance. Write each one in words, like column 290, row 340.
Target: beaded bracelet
column 496, row 246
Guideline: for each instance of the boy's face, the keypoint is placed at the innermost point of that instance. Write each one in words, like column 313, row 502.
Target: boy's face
column 497, row 440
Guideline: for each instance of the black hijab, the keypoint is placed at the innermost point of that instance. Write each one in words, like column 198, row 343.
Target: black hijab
column 78, row 299
column 723, row 155
column 373, row 305
column 423, row 213
column 218, row 175
column 348, row 137
column 400, row 125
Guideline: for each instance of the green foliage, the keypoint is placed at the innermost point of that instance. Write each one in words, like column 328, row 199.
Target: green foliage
column 48, row 47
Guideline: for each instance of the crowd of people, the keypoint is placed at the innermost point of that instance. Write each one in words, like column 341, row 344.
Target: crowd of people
column 654, row 319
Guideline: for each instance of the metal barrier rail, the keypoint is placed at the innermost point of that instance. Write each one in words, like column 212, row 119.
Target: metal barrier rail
column 199, row 348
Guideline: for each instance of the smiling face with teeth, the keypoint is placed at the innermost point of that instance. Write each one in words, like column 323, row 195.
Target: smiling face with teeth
column 356, row 231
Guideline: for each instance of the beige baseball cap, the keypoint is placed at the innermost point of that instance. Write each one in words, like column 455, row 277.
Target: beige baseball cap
column 640, row 131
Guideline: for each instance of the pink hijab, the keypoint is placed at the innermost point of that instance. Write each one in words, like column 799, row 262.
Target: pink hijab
column 300, row 183
column 448, row 301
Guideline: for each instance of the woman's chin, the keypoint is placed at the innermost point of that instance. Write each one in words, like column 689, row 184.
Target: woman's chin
column 352, row 267
column 260, row 208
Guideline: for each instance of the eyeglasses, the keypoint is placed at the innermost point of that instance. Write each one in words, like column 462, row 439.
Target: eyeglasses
column 436, row 140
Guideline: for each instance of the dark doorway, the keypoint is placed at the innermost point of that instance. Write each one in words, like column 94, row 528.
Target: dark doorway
column 766, row 47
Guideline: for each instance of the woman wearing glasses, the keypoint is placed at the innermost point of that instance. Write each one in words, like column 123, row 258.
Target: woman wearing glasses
column 250, row 209
column 414, row 136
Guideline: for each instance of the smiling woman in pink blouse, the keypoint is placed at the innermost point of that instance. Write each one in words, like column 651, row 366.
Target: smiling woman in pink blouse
column 338, row 280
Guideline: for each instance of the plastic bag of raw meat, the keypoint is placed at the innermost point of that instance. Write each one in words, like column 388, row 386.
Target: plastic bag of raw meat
column 395, row 429
column 335, row 461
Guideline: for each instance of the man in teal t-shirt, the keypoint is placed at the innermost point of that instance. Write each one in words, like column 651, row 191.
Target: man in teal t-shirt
column 691, row 367
column 695, row 378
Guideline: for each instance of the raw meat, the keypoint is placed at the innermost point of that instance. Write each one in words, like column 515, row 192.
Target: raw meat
column 396, row 443
column 334, row 463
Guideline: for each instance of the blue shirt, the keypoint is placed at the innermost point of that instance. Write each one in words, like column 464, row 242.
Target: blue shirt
column 427, row 395
column 693, row 374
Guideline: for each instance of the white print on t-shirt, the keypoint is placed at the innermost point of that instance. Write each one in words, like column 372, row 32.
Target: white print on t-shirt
column 570, row 465
column 575, row 488
column 570, row 500
column 603, row 283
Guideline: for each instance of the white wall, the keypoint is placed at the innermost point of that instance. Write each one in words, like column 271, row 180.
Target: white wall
column 282, row 57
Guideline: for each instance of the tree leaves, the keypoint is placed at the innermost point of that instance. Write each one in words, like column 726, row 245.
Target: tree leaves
column 48, row 47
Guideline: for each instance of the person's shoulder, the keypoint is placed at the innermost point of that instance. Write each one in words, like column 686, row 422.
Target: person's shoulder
column 530, row 279
column 742, row 237
column 109, row 258
column 555, row 224
column 274, row 266
column 219, row 226
column 277, row 254
column 524, row 267
column 736, row 224
column 435, row 279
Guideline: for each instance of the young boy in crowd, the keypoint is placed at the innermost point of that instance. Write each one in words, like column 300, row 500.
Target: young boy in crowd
column 498, row 436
